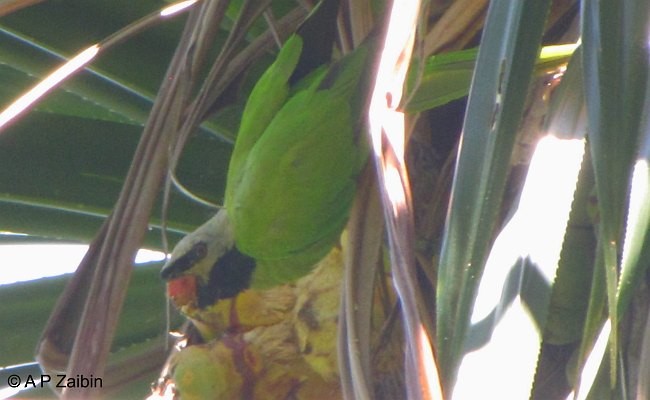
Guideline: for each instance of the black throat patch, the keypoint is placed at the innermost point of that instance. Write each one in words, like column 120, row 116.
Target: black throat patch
column 230, row 275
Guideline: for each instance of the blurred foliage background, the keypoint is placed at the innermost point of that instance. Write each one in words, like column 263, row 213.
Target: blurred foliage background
column 475, row 119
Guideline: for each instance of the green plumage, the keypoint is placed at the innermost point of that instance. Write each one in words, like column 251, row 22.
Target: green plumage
column 292, row 175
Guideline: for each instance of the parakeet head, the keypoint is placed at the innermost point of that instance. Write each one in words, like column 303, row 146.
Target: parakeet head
column 206, row 266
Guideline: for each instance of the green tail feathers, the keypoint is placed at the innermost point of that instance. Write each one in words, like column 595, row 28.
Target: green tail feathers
column 267, row 97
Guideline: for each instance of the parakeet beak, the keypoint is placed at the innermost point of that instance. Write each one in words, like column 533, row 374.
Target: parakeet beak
column 206, row 266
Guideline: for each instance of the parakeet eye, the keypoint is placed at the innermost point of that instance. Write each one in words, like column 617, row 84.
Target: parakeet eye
column 199, row 251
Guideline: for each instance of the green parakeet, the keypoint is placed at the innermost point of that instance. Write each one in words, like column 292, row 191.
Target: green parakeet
column 290, row 183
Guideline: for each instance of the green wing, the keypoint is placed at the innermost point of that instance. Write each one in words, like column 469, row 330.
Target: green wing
column 298, row 181
column 298, row 185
